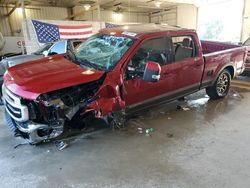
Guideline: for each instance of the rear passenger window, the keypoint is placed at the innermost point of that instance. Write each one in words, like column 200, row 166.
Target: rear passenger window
column 184, row 47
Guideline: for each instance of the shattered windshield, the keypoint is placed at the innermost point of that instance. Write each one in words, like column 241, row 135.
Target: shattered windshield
column 103, row 51
column 45, row 47
column 247, row 43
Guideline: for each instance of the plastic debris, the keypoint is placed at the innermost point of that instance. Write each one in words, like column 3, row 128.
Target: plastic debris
column 182, row 108
column 149, row 130
column 186, row 109
column 61, row 145
column 198, row 102
column 140, row 130
column 169, row 135
column 23, row 143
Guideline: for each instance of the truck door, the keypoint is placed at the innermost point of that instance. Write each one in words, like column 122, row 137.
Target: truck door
column 188, row 62
column 139, row 92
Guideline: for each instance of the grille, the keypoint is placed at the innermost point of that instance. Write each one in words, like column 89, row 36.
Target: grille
column 13, row 105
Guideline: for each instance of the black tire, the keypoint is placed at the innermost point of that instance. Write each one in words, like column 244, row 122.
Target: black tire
column 221, row 86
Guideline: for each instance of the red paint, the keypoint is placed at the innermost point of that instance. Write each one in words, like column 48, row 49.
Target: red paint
column 49, row 74
column 76, row 33
column 75, row 26
column 153, row 66
column 31, row 79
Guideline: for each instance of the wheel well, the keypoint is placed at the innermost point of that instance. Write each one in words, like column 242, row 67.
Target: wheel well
column 231, row 70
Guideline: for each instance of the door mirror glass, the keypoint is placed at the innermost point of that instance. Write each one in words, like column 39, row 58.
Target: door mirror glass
column 45, row 53
column 152, row 72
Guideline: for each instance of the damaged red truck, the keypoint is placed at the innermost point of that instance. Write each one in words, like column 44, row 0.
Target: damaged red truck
column 115, row 73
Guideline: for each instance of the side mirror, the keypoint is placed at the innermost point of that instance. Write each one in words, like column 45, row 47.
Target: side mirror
column 152, row 72
column 45, row 53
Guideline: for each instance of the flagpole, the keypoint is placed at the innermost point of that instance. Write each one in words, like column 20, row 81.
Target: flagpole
column 99, row 13
column 25, row 19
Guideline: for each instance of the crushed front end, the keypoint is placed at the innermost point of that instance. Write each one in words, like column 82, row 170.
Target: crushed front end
column 47, row 117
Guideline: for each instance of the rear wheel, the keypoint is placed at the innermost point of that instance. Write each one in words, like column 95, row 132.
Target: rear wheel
column 221, row 86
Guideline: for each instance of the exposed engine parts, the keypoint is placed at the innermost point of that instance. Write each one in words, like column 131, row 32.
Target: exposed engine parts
column 51, row 112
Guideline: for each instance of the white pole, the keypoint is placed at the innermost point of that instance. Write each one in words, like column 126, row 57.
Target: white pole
column 25, row 19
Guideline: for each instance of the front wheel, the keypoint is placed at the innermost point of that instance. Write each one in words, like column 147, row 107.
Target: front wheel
column 221, row 86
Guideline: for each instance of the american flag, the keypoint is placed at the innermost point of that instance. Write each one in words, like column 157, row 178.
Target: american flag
column 50, row 33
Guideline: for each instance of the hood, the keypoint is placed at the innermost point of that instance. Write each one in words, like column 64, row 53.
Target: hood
column 31, row 79
column 15, row 60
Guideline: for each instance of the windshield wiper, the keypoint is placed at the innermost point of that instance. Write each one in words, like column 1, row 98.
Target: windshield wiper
column 89, row 64
column 71, row 56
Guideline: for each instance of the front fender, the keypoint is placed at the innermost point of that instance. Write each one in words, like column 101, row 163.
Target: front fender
column 108, row 99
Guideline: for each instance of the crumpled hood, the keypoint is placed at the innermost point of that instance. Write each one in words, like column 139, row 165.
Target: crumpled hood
column 31, row 79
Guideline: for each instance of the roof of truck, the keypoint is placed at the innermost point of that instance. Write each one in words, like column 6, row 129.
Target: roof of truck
column 136, row 30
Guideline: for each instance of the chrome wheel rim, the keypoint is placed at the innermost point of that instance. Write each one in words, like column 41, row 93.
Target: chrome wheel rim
column 222, row 84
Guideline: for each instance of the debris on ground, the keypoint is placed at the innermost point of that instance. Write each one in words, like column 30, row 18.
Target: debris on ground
column 169, row 135
column 198, row 102
column 169, row 118
column 149, row 130
column 140, row 130
column 75, row 138
column 182, row 108
column 23, row 143
column 61, row 145
column 185, row 109
column 178, row 107
column 182, row 99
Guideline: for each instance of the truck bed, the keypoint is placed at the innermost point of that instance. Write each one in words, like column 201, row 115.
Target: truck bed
column 212, row 46
column 218, row 55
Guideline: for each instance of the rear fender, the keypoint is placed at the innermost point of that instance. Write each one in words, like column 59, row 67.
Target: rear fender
column 220, row 69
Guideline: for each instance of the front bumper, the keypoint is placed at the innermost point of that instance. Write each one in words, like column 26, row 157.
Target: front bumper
column 17, row 116
column 32, row 131
column 13, row 105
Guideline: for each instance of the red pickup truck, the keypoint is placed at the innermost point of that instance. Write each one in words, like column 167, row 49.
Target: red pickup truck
column 115, row 73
